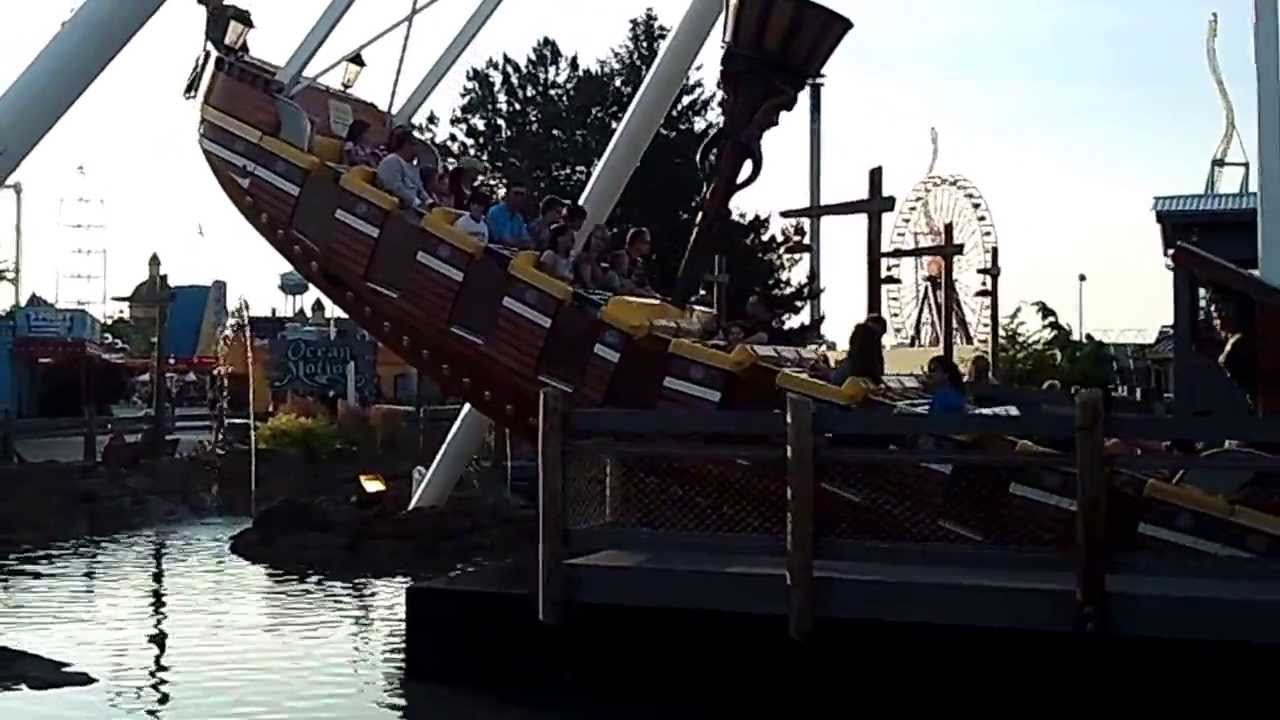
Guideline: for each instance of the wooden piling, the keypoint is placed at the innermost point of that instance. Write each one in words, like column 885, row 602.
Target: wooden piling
column 551, row 580
column 1091, row 513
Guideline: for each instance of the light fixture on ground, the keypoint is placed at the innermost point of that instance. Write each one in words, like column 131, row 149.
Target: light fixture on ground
column 351, row 69
column 373, row 488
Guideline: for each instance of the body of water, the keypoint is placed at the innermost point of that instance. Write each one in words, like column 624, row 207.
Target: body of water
column 173, row 625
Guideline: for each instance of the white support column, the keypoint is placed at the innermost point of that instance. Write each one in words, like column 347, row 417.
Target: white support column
column 647, row 112
column 311, row 44
column 446, row 61
column 1266, row 49
column 63, row 70
column 465, row 439
column 644, row 117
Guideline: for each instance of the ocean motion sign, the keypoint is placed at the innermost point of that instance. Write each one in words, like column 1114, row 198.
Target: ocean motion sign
column 318, row 367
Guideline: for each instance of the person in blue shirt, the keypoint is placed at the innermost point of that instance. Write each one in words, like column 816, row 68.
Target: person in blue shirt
column 946, row 386
column 507, row 225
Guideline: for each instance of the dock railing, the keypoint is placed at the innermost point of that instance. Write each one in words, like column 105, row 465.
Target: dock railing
column 811, row 485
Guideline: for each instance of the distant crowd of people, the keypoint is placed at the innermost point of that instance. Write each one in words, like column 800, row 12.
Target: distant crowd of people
column 411, row 171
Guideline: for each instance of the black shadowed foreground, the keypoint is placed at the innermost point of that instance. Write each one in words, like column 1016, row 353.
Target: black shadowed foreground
column 20, row 670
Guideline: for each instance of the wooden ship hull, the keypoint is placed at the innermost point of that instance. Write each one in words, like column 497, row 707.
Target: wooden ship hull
column 486, row 325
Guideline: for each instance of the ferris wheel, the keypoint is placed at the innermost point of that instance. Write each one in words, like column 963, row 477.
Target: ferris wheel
column 913, row 285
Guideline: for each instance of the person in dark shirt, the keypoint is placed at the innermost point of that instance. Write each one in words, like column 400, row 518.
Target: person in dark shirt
column 946, row 386
column 637, row 249
column 762, row 322
column 866, row 355
column 1233, row 315
column 550, row 213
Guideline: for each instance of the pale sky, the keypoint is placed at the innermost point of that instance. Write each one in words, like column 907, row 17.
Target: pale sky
column 1069, row 115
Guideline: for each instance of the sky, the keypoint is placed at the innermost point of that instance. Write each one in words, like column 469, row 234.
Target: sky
column 1068, row 115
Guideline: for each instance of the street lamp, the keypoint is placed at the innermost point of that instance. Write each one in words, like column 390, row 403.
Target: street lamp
column 351, row 70
column 1080, row 306
column 239, row 23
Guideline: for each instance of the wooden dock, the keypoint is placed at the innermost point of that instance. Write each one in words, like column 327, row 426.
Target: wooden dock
column 785, row 523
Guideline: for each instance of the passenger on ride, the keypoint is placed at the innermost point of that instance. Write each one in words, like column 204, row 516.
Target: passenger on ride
column 397, row 174
column 866, row 355
column 428, row 175
column 946, row 386
column 354, row 150
column 763, row 326
column 473, row 222
column 506, row 219
column 555, row 261
column 550, row 212
column 637, row 249
column 462, row 180
column 575, row 216
column 616, row 280
column 979, row 371
column 587, row 270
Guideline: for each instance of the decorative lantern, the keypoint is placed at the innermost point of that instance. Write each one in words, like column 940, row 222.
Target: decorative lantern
column 351, row 70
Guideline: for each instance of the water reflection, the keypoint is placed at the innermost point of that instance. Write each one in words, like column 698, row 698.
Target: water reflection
column 173, row 626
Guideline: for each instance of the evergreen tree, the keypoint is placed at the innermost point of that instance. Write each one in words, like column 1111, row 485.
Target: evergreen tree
column 547, row 119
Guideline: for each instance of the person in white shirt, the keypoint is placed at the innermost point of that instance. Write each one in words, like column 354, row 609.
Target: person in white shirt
column 473, row 223
column 397, row 174
column 556, row 261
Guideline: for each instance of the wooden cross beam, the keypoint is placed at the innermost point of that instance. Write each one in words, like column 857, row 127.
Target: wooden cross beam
column 874, row 206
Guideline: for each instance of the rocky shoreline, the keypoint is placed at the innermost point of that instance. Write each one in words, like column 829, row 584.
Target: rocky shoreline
column 337, row 538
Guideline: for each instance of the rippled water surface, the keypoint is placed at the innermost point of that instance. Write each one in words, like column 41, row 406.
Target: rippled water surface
column 174, row 626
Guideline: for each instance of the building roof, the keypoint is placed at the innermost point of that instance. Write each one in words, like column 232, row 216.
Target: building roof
column 1201, row 203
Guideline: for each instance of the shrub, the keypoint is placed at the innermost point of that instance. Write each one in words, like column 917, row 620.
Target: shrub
column 315, row 438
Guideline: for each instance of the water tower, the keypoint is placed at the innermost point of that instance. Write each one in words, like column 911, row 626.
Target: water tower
column 294, row 286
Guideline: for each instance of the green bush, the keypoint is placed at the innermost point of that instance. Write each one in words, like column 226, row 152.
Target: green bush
column 315, row 438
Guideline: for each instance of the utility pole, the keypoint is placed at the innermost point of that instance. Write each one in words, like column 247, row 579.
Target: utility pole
column 815, row 197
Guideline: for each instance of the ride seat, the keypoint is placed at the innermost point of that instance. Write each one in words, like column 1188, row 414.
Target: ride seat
column 635, row 315
column 851, row 393
column 328, row 149
column 525, row 266
column 436, row 224
column 360, row 181
column 447, row 215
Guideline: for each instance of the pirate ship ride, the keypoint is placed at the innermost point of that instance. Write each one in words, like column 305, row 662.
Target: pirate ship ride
column 487, row 325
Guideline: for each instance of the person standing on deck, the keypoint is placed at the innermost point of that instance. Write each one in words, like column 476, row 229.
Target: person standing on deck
column 506, row 219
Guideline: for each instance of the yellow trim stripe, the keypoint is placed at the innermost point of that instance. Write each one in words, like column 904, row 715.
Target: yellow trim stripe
column 1196, row 499
column 525, row 267
column 230, row 124
column 851, row 393
column 278, row 147
column 737, row 361
column 354, row 184
column 633, row 315
column 453, row 236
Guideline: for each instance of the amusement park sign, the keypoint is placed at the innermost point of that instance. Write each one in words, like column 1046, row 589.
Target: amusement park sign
column 318, row 367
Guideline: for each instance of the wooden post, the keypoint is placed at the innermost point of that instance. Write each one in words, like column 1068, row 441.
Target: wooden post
column 90, row 454
column 948, row 293
column 994, row 273
column 875, row 238
column 550, row 506
column 800, row 512
column 1091, row 513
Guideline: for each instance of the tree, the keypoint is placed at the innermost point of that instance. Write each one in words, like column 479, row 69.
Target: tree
column 1032, row 356
column 547, row 119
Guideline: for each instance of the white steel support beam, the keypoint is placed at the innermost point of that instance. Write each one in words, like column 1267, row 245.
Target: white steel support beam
column 632, row 138
column 63, row 70
column 446, row 61
column 647, row 112
column 311, row 44
column 1266, row 49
